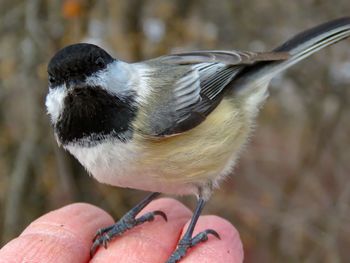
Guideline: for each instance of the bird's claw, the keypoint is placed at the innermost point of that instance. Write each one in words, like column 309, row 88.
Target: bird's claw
column 105, row 235
column 187, row 242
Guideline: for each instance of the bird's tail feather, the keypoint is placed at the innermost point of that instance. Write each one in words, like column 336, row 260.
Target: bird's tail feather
column 299, row 47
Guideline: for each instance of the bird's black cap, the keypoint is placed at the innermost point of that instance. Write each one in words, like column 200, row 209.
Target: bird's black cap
column 77, row 61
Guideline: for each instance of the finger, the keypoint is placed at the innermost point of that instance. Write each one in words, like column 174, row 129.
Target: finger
column 228, row 248
column 150, row 242
column 63, row 235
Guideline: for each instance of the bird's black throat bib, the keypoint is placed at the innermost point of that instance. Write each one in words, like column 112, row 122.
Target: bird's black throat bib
column 92, row 114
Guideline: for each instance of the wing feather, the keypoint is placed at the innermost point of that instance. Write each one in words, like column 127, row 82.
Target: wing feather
column 199, row 85
column 233, row 57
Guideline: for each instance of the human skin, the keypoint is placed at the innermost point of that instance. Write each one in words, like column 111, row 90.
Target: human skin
column 65, row 235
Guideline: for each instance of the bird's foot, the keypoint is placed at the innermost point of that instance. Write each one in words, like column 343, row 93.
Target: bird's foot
column 128, row 221
column 187, row 242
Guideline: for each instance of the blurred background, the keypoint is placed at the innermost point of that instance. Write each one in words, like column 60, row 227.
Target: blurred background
column 289, row 196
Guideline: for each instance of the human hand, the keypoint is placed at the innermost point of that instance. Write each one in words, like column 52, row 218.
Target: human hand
column 65, row 235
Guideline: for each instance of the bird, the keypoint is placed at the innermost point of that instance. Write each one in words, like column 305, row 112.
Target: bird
column 174, row 124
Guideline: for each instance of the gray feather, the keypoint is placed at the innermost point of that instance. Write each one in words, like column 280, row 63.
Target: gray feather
column 187, row 87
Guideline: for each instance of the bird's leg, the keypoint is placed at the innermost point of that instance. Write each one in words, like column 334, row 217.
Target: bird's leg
column 128, row 221
column 187, row 240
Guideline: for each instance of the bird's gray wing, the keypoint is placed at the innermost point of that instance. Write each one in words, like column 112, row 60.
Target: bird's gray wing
column 229, row 57
column 188, row 86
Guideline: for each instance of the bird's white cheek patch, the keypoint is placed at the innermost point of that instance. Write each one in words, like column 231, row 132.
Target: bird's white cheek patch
column 55, row 102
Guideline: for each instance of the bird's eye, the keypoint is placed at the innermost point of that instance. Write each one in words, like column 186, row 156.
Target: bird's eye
column 100, row 62
column 52, row 80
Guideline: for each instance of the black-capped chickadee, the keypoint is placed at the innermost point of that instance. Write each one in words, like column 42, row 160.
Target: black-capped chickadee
column 174, row 124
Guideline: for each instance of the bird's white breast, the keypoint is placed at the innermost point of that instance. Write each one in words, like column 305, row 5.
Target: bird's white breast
column 116, row 163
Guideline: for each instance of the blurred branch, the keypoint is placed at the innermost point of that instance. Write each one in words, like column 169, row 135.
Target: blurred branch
column 30, row 128
column 11, row 18
column 33, row 26
column 67, row 185
column 133, row 26
column 17, row 187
